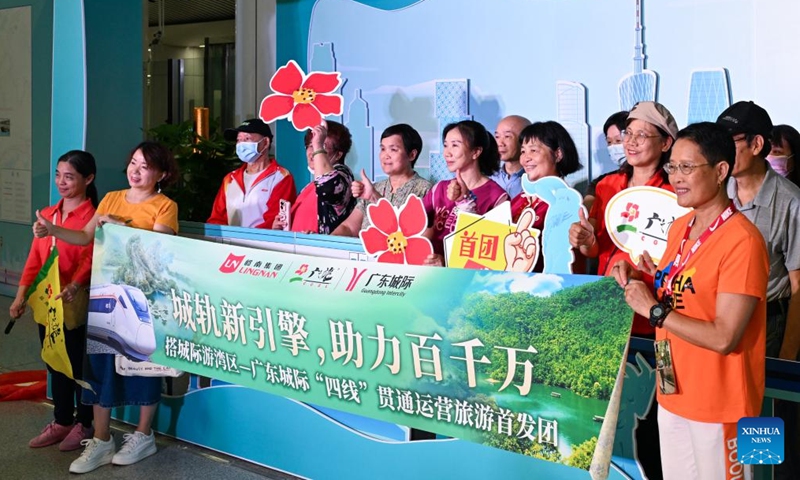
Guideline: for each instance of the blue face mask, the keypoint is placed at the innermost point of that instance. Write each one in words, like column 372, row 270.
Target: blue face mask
column 617, row 153
column 247, row 151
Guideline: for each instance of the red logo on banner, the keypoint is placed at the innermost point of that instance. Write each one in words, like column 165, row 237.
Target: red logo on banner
column 231, row 263
column 354, row 280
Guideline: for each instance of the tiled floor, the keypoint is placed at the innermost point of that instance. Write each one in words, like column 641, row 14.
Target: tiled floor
column 20, row 421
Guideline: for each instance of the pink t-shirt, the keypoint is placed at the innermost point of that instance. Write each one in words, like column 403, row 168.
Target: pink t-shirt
column 304, row 210
column 442, row 212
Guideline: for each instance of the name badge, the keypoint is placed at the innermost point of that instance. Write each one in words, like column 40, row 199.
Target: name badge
column 665, row 373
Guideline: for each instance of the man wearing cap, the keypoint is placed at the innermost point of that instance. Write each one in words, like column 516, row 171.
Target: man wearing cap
column 507, row 136
column 250, row 195
column 772, row 203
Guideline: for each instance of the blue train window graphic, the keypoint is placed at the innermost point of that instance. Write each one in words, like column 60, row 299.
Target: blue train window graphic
column 119, row 317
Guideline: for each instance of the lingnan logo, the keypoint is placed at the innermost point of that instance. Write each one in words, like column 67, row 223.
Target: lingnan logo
column 231, row 263
column 237, row 263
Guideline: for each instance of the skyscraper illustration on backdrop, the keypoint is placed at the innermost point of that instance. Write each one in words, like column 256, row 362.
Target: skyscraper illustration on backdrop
column 362, row 152
column 642, row 84
column 451, row 101
column 571, row 114
column 709, row 95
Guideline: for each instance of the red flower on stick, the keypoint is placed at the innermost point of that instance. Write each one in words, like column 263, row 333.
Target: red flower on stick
column 303, row 99
column 396, row 237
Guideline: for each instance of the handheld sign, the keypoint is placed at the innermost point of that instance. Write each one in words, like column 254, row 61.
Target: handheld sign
column 302, row 99
column 638, row 219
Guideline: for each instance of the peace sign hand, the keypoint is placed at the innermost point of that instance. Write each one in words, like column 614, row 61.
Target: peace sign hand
column 521, row 248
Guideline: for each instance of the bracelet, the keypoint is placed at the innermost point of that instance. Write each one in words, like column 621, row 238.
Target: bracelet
column 317, row 152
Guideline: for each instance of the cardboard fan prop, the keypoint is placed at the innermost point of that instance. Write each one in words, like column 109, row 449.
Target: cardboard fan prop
column 638, row 219
column 302, row 99
column 395, row 235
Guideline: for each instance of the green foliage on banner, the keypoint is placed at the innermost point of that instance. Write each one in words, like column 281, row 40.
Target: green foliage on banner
column 577, row 337
column 582, row 454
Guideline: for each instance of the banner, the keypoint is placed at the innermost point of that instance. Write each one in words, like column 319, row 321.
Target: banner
column 48, row 311
column 522, row 362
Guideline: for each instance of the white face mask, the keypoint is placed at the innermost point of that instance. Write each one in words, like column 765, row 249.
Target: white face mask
column 617, row 153
column 780, row 163
column 247, row 151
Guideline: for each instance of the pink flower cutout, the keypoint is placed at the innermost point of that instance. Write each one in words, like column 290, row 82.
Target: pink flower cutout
column 303, row 269
column 631, row 212
column 303, row 99
column 396, row 236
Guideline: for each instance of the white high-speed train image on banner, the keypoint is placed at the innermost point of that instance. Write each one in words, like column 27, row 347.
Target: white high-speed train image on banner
column 119, row 316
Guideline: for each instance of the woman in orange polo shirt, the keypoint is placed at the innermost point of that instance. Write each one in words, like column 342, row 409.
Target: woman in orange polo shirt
column 75, row 173
column 710, row 318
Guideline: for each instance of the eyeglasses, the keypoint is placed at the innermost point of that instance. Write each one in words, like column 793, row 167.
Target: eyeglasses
column 636, row 139
column 685, row 168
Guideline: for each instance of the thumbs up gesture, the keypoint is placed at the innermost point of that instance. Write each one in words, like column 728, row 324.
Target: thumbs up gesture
column 42, row 227
column 581, row 233
column 363, row 189
column 457, row 189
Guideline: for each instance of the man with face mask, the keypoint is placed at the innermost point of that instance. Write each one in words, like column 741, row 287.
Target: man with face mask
column 250, row 195
column 772, row 203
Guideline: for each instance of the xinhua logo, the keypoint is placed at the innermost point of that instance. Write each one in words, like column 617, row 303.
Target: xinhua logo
column 760, row 440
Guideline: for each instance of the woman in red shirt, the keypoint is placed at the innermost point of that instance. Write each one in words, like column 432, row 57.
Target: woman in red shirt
column 75, row 173
column 648, row 139
column 547, row 150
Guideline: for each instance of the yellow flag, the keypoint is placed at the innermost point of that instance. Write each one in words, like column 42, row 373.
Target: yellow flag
column 49, row 312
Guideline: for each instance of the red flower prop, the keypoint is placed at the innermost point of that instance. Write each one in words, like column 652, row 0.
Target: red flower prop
column 303, row 99
column 396, row 237
column 631, row 212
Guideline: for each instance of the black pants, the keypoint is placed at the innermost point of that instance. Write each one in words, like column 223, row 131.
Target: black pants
column 67, row 393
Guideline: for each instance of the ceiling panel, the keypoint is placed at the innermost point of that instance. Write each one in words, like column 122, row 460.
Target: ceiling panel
column 177, row 12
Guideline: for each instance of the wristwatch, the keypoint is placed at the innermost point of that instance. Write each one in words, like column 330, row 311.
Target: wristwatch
column 658, row 313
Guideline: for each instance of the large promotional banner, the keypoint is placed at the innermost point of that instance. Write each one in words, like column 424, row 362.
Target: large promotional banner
column 522, row 362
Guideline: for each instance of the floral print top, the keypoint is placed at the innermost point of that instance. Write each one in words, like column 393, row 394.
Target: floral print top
column 415, row 186
column 335, row 200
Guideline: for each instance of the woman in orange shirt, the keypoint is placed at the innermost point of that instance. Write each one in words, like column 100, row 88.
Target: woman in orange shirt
column 710, row 318
column 150, row 166
column 75, row 174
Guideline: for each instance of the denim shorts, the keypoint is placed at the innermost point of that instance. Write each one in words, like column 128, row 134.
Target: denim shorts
column 114, row 390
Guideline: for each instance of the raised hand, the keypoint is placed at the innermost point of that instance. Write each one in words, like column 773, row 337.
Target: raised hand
column 364, row 188
column 457, row 189
column 318, row 135
column 42, row 227
column 520, row 246
column 581, row 233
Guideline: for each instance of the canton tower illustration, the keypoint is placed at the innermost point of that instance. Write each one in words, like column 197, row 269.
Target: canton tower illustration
column 642, row 83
